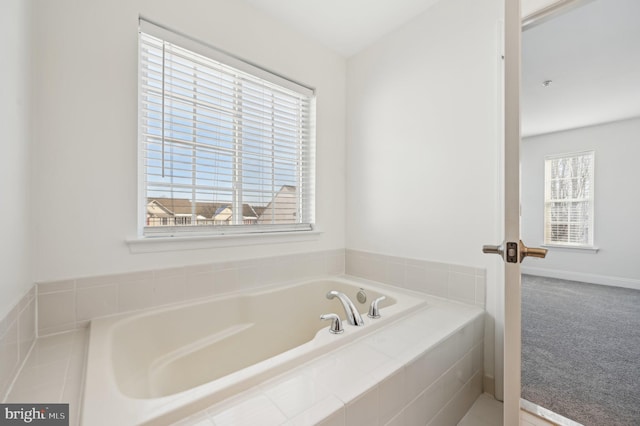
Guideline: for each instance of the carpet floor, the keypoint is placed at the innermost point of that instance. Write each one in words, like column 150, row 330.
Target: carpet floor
column 581, row 350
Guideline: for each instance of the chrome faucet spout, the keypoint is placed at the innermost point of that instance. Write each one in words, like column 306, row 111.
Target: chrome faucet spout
column 353, row 316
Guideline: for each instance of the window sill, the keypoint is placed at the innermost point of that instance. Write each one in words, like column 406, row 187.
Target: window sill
column 162, row 244
column 572, row 248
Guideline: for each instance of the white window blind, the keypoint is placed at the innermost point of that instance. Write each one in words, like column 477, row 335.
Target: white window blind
column 569, row 199
column 226, row 147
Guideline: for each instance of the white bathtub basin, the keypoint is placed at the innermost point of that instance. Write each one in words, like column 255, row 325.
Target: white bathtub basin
column 159, row 366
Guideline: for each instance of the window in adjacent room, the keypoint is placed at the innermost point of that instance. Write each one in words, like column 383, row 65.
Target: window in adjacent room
column 225, row 146
column 568, row 218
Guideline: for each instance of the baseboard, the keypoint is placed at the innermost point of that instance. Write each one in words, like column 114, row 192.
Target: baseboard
column 583, row 277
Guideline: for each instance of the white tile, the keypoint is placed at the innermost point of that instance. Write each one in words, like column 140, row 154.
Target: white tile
column 202, row 268
column 458, row 406
column 486, row 411
column 168, row 287
column 97, row 281
column 467, row 270
column 356, row 263
column 268, row 273
column 391, row 392
column 54, row 286
column 426, row 369
column 451, row 382
column 71, row 393
column 391, row 341
column 317, row 264
column 436, row 279
column 63, row 328
column 134, row 295
column 26, row 329
column 477, row 358
column 395, row 273
column 481, row 290
column 333, row 373
column 94, row 302
column 328, row 412
column 8, row 356
column 478, row 328
column 200, row 419
column 296, row 394
column 462, row 287
column 48, row 349
column 417, row 411
column 336, row 264
column 375, row 267
column 56, row 309
column 362, row 358
column 397, row 421
column 35, row 375
column 464, row 339
column 364, row 409
column 256, row 410
column 47, row 393
column 416, row 277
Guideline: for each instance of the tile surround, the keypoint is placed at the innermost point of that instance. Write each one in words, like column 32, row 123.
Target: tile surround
column 17, row 335
column 456, row 282
column 433, row 381
column 70, row 304
column 361, row 383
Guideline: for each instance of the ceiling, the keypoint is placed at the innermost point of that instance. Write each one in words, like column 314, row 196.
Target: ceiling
column 345, row 26
column 591, row 53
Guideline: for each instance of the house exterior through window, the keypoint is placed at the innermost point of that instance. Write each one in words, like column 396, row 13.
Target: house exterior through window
column 225, row 147
column 569, row 201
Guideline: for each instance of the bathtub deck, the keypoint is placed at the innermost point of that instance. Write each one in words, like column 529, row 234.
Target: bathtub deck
column 53, row 372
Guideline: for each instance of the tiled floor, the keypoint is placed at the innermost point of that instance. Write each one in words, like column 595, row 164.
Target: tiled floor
column 53, row 372
column 486, row 411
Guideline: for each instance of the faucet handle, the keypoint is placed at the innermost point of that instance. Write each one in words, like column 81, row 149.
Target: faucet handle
column 336, row 323
column 374, row 311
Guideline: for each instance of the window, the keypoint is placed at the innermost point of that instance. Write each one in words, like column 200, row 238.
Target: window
column 568, row 218
column 225, row 146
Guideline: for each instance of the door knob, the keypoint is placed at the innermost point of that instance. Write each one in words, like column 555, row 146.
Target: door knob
column 515, row 252
column 532, row 252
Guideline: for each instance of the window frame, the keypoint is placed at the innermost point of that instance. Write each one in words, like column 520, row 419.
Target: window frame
column 589, row 199
column 306, row 165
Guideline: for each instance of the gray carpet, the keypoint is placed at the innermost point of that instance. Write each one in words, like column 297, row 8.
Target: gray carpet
column 581, row 350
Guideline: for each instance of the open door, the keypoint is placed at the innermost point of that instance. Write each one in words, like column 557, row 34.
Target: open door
column 512, row 250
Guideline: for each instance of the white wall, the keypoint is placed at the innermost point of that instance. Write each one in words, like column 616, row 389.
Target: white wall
column 15, row 208
column 617, row 203
column 86, row 127
column 422, row 154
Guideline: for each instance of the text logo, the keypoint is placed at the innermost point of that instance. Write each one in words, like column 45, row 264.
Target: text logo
column 34, row 414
